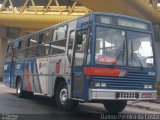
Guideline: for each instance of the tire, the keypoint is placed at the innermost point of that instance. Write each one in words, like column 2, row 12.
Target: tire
column 19, row 91
column 61, row 97
column 115, row 106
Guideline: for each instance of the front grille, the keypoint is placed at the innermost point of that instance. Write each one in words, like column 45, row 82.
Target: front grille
column 122, row 95
column 134, row 80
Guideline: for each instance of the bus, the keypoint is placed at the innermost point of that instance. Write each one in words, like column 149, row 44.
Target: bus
column 97, row 58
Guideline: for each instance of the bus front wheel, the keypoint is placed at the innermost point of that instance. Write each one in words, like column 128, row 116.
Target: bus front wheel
column 62, row 100
column 115, row 106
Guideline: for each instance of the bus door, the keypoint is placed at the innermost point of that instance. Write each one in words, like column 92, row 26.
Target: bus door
column 78, row 63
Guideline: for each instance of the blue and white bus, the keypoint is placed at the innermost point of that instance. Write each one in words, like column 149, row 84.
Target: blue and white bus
column 100, row 57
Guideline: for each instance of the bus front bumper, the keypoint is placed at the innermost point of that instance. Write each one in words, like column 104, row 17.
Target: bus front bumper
column 101, row 94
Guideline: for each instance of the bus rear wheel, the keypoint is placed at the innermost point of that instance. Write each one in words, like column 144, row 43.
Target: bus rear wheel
column 62, row 100
column 19, row 90
column 115, row 106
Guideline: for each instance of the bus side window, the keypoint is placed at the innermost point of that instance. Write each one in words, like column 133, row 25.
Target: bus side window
column 23, row 44
column 21, row 49
column 58, row 44
column 61, row 32
column 43, row 43
column 80, row 48
column 9, row 53
column 32, row 41
column 31, row 47
column 58, row 47
column 15, row 51
column 20, row 43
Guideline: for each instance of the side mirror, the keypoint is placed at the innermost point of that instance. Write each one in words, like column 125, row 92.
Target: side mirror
column 79, row 37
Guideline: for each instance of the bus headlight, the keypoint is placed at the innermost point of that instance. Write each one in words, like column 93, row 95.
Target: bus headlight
column 148, row 86
column 103, row 85
column 100, row 84
column 97, row 84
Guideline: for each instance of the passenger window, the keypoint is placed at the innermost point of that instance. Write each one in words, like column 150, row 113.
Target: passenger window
column 15, row 52
column 19, row 46
column 43, row 44
column 9, row 53
column 31, row 47
column 32, row 41
column 21, row 52
column 60, row 33
column 31, row 52
column 58, row 47
column 9, row 56
column 10, row 49
column 45, row 37
column 43, row 49
column 23, row 44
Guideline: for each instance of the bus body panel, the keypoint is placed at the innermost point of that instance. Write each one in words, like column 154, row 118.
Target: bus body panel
column 42, row 71
column 25, row 70
column 56, row 69
column 6, row 74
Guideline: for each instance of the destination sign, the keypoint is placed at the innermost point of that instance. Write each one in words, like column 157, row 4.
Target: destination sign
column 127, row 23
column 122, row 22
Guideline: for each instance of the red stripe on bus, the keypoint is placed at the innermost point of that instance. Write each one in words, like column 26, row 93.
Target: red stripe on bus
column 110, row 72
column 27, row 78
column 57, row 68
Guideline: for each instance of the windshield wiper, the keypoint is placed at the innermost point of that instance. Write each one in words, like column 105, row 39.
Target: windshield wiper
column 120, row 51
column 133, row 55
column 140, row 63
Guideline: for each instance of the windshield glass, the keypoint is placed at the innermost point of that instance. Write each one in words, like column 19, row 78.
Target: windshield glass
column 110, row 46
column 140, row 53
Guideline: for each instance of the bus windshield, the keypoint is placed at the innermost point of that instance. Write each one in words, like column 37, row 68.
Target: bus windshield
column 140, row 52
column 111, row 48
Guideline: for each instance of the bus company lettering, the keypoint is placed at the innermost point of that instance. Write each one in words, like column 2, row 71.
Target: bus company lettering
column 41, row 65
column 18, row 66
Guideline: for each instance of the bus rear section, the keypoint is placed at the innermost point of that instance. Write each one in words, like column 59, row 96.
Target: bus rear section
column 100, row 57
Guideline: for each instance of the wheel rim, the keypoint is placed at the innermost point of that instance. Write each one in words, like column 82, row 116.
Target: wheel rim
column 63, row 95
column 19, row 88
